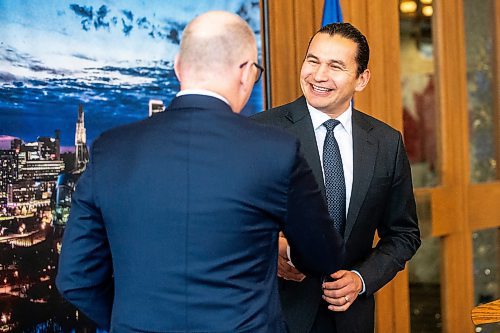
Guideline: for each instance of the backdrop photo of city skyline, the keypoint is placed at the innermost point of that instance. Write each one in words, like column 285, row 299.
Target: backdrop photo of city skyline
column 68, row 72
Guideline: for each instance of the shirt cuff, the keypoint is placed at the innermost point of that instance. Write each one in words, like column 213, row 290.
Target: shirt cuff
column 362, row 281
column 290, row 258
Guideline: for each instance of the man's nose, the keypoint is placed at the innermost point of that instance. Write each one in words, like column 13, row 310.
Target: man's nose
column 321, row 73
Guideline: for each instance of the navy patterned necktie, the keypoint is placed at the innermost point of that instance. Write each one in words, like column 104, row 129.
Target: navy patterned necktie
column 334, row 177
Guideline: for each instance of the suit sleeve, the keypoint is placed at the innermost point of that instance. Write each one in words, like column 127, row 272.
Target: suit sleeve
column 316, row 247
column 399, row 233
column 85, row 275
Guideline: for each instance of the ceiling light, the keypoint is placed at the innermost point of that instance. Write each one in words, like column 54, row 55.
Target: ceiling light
column 427, row 11
column 408, row 7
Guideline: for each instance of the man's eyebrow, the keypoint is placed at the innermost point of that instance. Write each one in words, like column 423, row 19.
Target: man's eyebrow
column 331, row 61
column 309, row 55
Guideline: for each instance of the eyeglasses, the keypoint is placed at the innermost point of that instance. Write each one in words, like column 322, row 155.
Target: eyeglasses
column 259, row 67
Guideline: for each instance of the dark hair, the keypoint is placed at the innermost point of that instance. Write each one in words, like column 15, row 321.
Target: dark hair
column 348, row 31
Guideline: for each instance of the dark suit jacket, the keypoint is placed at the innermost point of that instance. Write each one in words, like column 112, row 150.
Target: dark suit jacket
column 174, row 224
column 382, row 200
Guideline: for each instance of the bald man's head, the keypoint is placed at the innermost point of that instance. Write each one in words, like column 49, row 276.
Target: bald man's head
column 219, row 54
column 213, row 42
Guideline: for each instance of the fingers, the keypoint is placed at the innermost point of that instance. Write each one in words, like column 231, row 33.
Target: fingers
column 339, row 274
column 346, row 282
column 285, row 270
column 339, row 277
column 340, row 280
column 288, row 272
column 282, row 247
column 338, row 301
column 342, row 292
column 341, row 303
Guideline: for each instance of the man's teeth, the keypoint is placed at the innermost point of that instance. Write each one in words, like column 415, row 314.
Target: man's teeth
column 321, row 89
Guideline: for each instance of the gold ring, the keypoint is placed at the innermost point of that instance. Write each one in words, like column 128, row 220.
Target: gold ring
column 346, row 299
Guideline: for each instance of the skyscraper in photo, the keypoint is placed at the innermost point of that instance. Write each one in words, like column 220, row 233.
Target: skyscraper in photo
column 81, row 152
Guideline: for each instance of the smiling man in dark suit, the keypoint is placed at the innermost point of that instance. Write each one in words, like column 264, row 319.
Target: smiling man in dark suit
column 174, row 224
column 367, row 184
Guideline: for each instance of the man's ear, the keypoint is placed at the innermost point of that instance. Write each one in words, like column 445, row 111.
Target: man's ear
column 177, row 67
column 246, row 77
column 362, row 80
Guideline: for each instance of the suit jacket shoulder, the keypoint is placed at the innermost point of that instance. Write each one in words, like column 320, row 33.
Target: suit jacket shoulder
column 284, row 115
column 371, row 123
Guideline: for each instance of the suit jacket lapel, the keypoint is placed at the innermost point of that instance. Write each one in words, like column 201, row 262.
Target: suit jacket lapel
column 301, row 126
column 365, row 149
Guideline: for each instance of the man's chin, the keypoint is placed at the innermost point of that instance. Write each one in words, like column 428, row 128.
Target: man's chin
column 317, row 104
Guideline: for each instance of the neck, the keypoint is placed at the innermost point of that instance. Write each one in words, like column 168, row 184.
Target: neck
column 210, row 91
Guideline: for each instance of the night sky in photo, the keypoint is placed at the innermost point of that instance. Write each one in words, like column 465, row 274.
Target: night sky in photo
column 110, row 56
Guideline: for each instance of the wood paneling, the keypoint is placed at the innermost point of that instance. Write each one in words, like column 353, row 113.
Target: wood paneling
column 496, row 80
column 284, row 84
column 456, row 282
column 484, row 210
column 401, row 303
column 292, row 23
column 444, row 210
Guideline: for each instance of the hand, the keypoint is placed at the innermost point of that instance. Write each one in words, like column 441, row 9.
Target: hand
column 285, row 270
column 342, row 292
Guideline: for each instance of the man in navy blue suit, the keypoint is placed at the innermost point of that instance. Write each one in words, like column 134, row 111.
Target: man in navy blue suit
column 174, row 224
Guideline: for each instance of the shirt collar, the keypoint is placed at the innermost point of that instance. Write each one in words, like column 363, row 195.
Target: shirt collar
column 318, row 118
column 202, row 92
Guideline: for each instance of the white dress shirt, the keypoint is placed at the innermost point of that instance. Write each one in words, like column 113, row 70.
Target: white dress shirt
column 343, row 135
